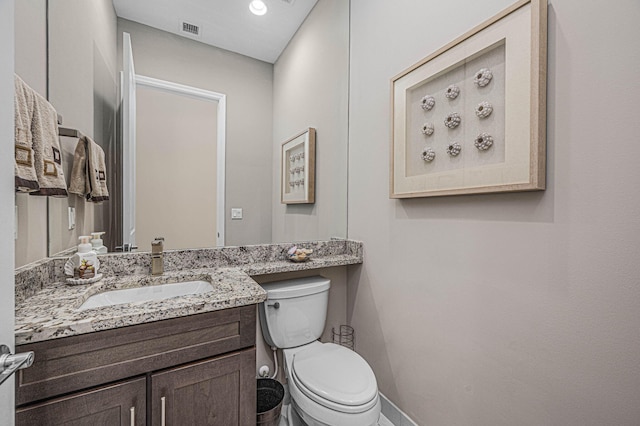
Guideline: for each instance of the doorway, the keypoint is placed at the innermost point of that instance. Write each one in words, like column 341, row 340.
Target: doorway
column 176, row 150
column 179, row 174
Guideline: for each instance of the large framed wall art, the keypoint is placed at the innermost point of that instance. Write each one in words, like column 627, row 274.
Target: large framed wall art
column 471, row 117
column 298, row 168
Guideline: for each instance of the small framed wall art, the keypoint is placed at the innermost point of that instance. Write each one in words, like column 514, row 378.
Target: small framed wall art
column 471, row 117
column 298, row 168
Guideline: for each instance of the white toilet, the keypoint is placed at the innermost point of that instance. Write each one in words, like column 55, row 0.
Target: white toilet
column 329, row 384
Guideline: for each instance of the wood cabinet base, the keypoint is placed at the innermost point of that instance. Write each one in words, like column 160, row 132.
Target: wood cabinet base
column 200, row 368
column 119, row 404
column 216, row 392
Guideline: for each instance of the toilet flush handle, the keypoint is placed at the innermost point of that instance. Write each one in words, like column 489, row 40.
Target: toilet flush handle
column 275, row 305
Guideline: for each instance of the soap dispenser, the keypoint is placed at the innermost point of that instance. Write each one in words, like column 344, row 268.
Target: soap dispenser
column 85, row 260
column 97, row 244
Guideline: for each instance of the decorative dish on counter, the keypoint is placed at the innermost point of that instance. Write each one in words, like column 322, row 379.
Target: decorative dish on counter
column 296, row 254
column 80, row 281
column 82, row 271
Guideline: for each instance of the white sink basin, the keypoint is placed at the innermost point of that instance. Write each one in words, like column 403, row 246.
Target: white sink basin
column 145, row 294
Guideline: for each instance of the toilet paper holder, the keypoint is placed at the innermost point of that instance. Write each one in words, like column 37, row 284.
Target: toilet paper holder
column 344, row 335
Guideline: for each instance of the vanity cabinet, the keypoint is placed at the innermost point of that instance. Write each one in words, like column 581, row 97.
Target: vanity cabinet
column 200, row 367
column 120, row 404
column 215, row 392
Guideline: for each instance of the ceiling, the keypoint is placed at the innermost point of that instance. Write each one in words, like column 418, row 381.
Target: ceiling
column 227, row 24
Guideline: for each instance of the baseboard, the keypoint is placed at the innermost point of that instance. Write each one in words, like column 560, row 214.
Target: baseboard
column 394, row 414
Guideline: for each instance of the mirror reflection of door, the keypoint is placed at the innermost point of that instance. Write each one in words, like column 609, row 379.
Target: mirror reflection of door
column 176, row 161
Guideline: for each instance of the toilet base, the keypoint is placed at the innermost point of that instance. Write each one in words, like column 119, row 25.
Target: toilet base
column 373, row 416
column 290, row 417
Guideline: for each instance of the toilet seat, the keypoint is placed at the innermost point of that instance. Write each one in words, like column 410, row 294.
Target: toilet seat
column 335, row 377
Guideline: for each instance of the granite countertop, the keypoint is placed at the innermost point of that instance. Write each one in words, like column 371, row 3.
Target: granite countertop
column 52, row 311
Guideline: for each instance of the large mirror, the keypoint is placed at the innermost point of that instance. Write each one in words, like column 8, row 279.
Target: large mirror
column 273, row 90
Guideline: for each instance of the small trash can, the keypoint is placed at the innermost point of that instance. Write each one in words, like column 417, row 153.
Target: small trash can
column 270, row 396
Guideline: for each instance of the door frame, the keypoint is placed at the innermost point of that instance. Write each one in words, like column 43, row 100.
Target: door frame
column 7, row 206
column 206, row 95
column 128, row 125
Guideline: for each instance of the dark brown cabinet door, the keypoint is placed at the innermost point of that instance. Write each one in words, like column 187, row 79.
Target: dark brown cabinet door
column 215, row 392
column 108, row 406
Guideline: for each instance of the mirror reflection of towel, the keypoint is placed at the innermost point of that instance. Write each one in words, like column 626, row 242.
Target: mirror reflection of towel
column 89, row 175
column 46, row 147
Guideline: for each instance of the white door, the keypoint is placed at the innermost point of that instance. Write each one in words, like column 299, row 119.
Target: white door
column 176, row 150
column 219, row 157
column 7, row 201
column 128, row 91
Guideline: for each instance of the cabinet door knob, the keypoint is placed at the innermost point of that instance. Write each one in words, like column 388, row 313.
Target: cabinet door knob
column 163, row 403
column 133, row 416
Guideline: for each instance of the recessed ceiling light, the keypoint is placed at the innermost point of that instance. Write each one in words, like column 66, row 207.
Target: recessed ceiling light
column 257, row 7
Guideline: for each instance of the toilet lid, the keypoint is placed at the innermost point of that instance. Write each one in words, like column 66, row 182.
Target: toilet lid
column 335, row 373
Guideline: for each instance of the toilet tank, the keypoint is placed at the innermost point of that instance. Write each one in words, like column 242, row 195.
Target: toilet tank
column 295, row 311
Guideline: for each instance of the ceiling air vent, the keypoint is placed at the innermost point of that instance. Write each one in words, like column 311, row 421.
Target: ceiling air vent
column 190, row 29
column 289, row 1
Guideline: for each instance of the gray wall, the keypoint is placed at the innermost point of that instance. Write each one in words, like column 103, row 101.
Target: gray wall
column 248, row 84
column 31, row 65
column 82, row 87
column 514, row 309
column 311, row 89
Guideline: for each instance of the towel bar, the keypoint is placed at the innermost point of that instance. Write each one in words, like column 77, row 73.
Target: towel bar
column 66, row 131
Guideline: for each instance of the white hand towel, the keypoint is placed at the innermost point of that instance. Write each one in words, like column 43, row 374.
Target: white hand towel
column 26, row 179
column 46, row 147
column 89, row 175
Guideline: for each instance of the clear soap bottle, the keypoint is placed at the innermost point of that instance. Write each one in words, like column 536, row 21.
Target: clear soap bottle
column 97, row 243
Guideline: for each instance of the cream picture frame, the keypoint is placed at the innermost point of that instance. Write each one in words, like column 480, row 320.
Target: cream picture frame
column 298, row 168
column 515, row 43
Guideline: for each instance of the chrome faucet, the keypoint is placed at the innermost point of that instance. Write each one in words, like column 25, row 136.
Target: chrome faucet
column 157, row 256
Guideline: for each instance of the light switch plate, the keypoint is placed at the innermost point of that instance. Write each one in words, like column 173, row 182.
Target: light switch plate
column 72, row 218
column 236, row 213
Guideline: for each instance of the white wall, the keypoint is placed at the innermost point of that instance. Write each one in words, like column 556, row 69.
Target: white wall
column 7, row 389
column 311, row 89
column 248, row 84
column 513, row 309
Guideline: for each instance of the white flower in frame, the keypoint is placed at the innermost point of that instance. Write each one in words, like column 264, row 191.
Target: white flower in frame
column 454, row 149
column 484, row 109
column 452, row 120
column 428, row 154
column 427, row 129
column 452, row 92
column 428, row 102
column 483, row 141
column 483, row 77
